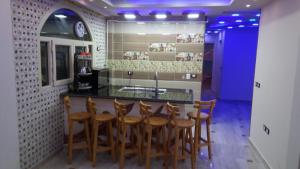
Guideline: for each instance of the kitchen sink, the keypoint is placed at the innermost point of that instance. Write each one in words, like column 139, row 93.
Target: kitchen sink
column 141, row 89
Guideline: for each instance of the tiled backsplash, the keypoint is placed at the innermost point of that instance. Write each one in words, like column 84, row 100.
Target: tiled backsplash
column 172, row 49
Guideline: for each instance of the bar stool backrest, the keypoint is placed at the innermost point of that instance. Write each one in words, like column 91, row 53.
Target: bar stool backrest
column 205, row 106
column 67, row 104
column 145, row 111
column 91, row 107
column 173, row 112
column 122, row 109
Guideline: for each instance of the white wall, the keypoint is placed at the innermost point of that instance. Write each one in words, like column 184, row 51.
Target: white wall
column 9, row 146
column 276, row 70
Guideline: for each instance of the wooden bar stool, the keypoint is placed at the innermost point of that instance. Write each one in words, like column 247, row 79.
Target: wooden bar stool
column 99, row 146
column 123, row 122
column 181, row 127
column 153, row 123
column 80, row 117
column 199, row 116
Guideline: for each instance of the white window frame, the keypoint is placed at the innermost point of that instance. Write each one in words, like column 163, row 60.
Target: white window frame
column 49, row 62
column 52, row 58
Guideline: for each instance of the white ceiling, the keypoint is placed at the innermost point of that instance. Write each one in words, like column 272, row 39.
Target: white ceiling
column 176, row 7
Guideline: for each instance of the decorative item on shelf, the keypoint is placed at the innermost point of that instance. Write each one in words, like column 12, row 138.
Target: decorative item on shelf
column 83, row 71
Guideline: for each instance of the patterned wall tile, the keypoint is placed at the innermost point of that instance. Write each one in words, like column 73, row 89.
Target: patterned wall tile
column 40, row 111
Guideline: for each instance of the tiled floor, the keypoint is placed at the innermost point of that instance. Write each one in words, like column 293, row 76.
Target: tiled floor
column 231, row 148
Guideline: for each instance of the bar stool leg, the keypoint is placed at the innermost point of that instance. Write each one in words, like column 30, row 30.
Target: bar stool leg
column 123, row 144
column 183, row 144
column 148, row 154
column 165, row 148
column 196, row 139
column 176, row 147
column 88, row 141
column 208, row 138
column 158, row 140
column 70, row 142
column 192, row 148
column 95, row 142
column 111, row 140
column 138, row 135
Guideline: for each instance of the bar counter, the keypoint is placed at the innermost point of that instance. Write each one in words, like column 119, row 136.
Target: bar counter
column 179, row 96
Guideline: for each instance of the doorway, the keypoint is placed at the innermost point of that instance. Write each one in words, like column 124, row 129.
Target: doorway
column 207, row 71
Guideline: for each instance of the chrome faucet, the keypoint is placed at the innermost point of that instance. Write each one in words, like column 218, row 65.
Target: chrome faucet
column 156, row 82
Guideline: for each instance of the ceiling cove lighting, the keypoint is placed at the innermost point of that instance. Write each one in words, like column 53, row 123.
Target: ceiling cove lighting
column 193, row 16
column 241, row 26
column 61, row 16
column 221, row 22
column 160, row 16
column 129, row 16
column 238, row 21
column 252, row 20
column 235, row 15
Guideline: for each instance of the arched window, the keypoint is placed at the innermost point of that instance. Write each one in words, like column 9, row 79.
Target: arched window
column 64, row 23
column 63, row 35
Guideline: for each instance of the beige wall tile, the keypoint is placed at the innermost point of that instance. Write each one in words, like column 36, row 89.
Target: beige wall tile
column 155, row 56
column 134, row 38
column 135, row 47
column 161, row 38
column 195, row 48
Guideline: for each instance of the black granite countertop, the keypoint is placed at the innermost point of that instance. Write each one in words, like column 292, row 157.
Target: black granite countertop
column 180, row 96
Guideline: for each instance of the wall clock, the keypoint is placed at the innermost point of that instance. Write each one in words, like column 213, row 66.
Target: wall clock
column 79, row 29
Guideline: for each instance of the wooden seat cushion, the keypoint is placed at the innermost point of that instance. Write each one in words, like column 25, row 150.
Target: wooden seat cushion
column 193, row 115
column 157, row 121
column 129, row 119
column 182, row 123
column 104, row 117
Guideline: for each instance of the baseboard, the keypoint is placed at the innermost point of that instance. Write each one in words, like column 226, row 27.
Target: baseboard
column 259, row 153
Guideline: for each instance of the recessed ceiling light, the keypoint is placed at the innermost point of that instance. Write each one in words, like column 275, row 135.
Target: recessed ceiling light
column 238, row 21
column 229, row 27
column 248, row 5
column 241, row 26
column 258, row 15
column 105, row 7
column 61, row 16
column 255, row 24
column 252, row 20
column 193, row 15
column 221, row 22
column 208, row 31
column 235, row 14
column 129, row 16
column 160, row 16
column 216, row 31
